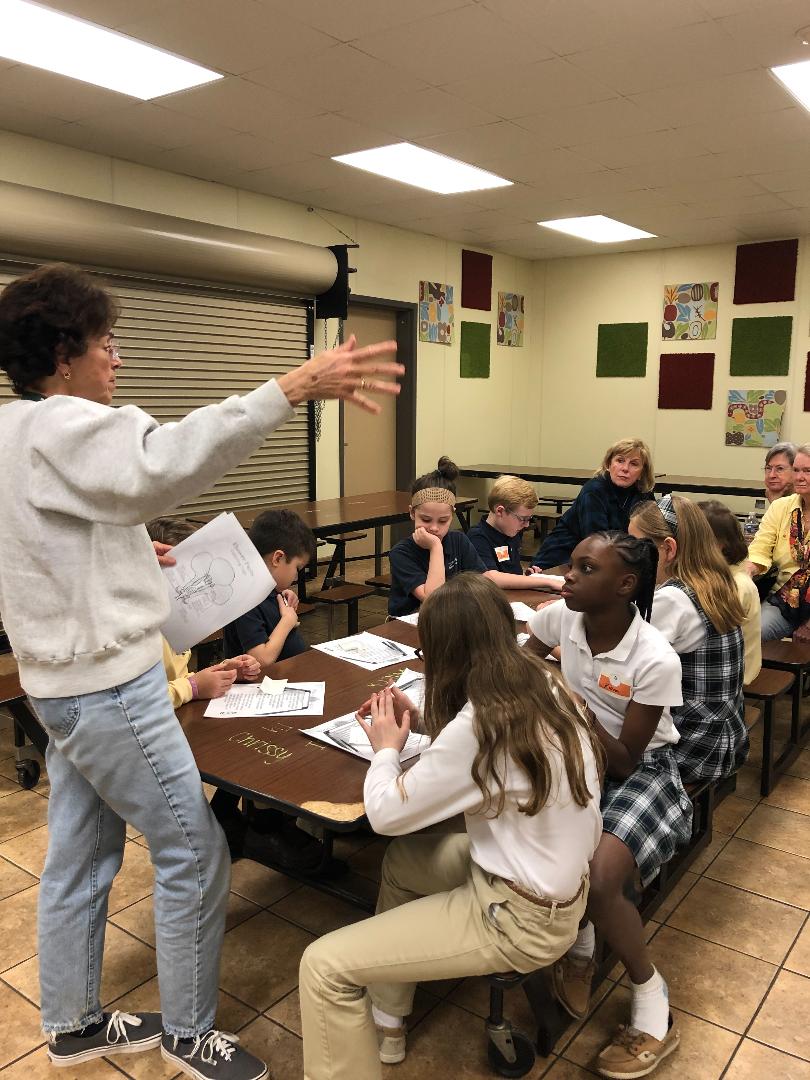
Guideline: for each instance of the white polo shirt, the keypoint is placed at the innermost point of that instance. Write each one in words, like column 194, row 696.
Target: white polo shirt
column 643, row 667
column 674, row 614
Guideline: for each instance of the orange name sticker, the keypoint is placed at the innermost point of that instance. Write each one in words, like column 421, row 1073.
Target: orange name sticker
column 502, row 553
column 614, row 685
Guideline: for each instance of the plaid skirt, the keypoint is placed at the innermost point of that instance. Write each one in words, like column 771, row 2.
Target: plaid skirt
column 649, row 811
column 714, row 738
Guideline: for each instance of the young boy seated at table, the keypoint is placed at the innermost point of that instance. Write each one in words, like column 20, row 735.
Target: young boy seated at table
column 497, row 538
column 269, row 632
column 211, row 682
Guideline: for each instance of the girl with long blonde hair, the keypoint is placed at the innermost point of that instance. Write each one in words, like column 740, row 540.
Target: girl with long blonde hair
column 514, row 753
column 698, row 610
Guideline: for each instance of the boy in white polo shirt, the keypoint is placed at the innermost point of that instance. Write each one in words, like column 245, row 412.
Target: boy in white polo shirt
column 629, row 676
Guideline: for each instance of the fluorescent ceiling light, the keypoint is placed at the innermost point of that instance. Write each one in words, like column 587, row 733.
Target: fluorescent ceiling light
column 423, row 168
column 796, row 80
column 598, row 228
column 35, row 35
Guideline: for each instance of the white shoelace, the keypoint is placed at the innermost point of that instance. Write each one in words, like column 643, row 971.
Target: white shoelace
column 116, row 1029
column 214, row 1042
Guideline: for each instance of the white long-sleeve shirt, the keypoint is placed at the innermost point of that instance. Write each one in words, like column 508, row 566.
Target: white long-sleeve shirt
column 81, row 592
column 547, row 853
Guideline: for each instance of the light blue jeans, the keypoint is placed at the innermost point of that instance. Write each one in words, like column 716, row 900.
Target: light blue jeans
column 774, row 623
column 119, row 756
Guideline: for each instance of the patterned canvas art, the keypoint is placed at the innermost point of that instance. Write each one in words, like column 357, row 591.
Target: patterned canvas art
column 511, row 310
column 754, row 417
column 435, row 312
column 690, row 312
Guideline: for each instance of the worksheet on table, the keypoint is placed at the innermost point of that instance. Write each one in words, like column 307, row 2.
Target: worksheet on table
column 303, row 699
column 368, row 651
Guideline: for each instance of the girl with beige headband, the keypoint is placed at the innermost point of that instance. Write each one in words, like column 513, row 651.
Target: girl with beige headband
column 425, row 560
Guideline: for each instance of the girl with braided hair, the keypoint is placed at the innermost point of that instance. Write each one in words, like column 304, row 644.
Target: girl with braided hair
column 630, row 679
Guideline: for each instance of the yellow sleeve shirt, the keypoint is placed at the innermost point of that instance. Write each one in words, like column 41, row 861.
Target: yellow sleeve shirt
column 176, row 665
column 772, row 542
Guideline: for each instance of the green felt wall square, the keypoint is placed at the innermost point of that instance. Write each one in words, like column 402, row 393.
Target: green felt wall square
column 761, row 346
column 621, row 351
column 475, row 350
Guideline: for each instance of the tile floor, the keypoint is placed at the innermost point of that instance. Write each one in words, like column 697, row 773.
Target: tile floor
column 733, row 941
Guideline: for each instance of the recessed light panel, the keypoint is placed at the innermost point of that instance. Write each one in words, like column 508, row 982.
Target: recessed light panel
column 423, row 168
column 36, row 35
column 796, row 80
column 598, row 228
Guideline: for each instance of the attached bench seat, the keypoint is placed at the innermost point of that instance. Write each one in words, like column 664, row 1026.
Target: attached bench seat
column 350, row 595
column 767, row 688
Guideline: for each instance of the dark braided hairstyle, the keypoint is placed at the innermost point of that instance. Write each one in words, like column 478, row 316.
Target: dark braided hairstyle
column 640, row 557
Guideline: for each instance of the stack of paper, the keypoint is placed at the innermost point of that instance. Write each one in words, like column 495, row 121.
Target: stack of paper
column 368, row 651
column 411, row 620
column 303, row 699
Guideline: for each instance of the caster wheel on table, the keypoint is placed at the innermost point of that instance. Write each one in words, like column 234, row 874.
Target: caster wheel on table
column 27, row 774
column 512, row 1054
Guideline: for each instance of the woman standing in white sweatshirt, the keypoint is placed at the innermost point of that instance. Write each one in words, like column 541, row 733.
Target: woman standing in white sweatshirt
column 83, row 599
column 513, row 753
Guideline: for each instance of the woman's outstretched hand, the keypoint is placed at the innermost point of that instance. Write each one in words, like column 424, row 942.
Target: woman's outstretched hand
column 346, row 372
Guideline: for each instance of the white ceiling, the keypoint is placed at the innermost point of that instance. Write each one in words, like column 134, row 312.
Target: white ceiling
column 661, row 114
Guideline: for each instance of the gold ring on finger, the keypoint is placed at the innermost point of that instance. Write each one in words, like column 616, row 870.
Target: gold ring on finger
column 362, row 384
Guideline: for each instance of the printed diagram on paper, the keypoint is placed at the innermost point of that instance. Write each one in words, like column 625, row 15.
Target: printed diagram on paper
column 211, row 582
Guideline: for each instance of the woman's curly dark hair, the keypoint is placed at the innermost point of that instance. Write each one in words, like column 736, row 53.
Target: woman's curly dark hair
column 56, row 307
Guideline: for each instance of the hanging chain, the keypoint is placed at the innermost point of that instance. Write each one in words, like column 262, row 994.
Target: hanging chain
column 319, row 405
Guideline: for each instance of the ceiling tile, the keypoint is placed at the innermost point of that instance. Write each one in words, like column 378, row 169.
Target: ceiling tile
column 787, row 126
column 524, row 89
column 349, row 19
column 56, row 95
column 586, row 123
column 240, row 105
column 232, row 37
column 787, row 180
column 152, row 125
column 417, row 115
column 447, row 46
column 340, row 77
column 109, row 12
column 713, row 100
column 770, row 29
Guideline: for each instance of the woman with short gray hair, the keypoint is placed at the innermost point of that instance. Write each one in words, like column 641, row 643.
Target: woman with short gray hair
column 779, row 471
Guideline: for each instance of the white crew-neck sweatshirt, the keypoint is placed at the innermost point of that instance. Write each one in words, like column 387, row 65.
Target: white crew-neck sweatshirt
column 81, row 594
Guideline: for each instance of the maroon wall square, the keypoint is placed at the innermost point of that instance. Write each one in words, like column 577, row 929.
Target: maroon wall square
column 685, row 380
column 807, row 386
column 766, row 272
column 476, row 280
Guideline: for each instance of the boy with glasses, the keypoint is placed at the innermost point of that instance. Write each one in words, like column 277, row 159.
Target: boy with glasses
column 497, row 538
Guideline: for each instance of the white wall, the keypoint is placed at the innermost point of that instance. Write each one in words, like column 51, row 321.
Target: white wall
column 472, row 420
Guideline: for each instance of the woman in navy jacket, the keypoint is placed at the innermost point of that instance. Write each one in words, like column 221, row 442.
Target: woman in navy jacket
column 624, row 478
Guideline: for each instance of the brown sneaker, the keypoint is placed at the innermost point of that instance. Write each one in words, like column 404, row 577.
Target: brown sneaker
column 571, row 983
column 635, row 1053
column 392, row 1044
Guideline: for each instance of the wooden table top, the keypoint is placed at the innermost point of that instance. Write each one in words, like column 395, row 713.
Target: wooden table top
column 267, row 757
column 325, row 516
column 530, row 472
column 710, row 485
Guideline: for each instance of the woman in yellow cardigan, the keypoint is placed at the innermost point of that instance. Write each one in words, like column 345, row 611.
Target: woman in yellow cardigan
column 783, row 539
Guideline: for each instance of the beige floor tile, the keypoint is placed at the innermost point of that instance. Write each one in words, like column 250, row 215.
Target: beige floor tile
column 777, row 828
column 741, row 920
column 748, row 783
column 316, row 911
column 22, row 812
column 19, row 1023
column 13, row 879
column 669, row 903
column 799, row 958
column 139, row 919
column 791, row 793
column 260, row 959
column 8, row 785
column 260, row 884
column 730, row 814
column 37, row 1066
column 766, row 871
column 566, row 1070
column 18, row 918
column 274, row 1044
column 703, row 1053
column 801, row 766
column 708, row 980
column 28, row 850
column 709, row 853
column 756, row 1062
column 782, row 1020
column 450, row 1042
column 127, row 963
column 134, row 880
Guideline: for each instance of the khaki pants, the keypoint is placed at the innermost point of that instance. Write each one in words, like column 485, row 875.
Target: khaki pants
column 439, row 916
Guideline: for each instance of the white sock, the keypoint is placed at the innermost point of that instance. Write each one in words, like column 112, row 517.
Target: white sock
column 649, row 1011
column 384, row 1019
column 585, row 945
